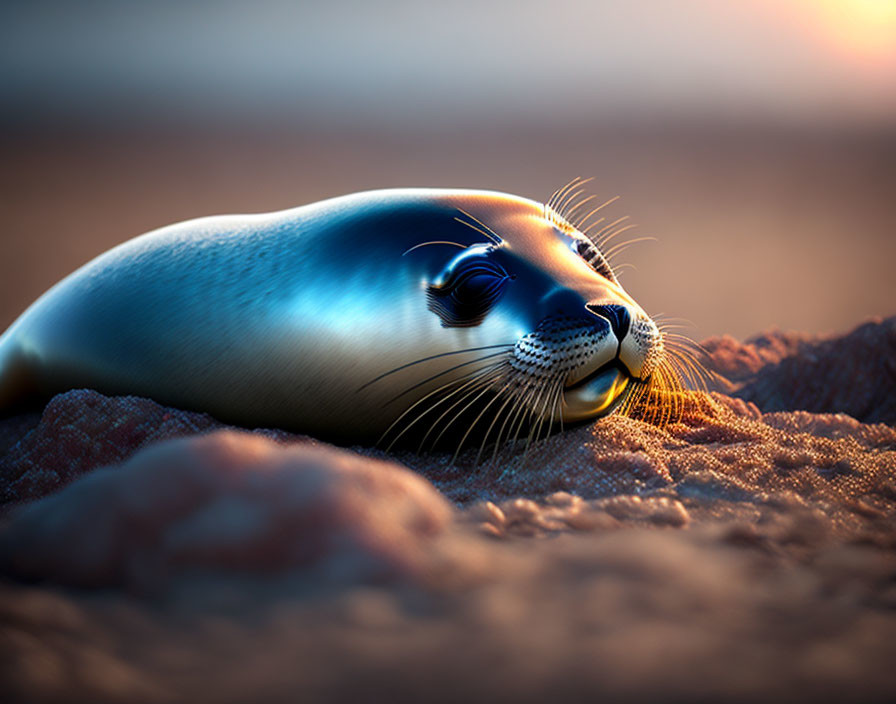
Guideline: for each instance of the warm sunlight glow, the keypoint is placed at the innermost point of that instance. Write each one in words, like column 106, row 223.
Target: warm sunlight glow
column 866, row 29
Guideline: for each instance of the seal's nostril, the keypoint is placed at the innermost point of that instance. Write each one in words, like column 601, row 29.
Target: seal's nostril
column 619, row 317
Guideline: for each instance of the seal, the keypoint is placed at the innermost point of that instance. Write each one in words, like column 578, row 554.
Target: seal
column 365, row 318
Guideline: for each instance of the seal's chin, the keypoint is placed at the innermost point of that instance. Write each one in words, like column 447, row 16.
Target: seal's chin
column 596, row 394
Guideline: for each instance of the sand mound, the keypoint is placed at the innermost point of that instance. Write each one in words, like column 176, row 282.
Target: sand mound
column 227, row 501
column 784, row 371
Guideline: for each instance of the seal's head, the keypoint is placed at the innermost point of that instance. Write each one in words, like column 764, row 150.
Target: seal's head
column 578, row 346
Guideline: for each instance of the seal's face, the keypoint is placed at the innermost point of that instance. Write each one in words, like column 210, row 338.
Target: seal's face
column 589, row 341
column 580, row 343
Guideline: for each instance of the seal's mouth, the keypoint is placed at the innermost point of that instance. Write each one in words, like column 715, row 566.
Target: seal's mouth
column 597, row 393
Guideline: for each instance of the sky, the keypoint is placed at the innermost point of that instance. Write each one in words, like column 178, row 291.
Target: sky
column 418, row 64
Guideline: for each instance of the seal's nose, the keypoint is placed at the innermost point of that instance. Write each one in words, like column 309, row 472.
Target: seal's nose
column 619, row 317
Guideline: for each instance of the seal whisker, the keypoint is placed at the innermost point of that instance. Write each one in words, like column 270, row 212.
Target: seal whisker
column 540, row 416
column 442, row 373
column 684, row 338
column 625, row 245
column 680, row 399
column 509, row 396
column 696, row 371
column 497, row 396
column 659, row 403
column 664, row 402
column 613, row 235
column 473, row 227
column 554, row 207
column 557, row 408
column 556, row 395
column 581, row 223
column 692, row 351
column 577, row 182
column 685, row 368
column 481, row 385
column 550, row 200
column 664, row 327
column 464, row 380
column 686, row 354
column 578, row 206
column 565, row 208
column 537, row 415
column 469, row 404
column 515, row 395
column 521, row 393
column 494, row 236
column 475, row 379
column 549, row 204
column 633, row 399
column 528, row 402
column 682, row 342
column 648, row 405
column 610, row 236
column 590, row 227
column 552, row 389
column 424, row 244
column 665, row 319
column 596, row 238
column 689, row 354
column 434, row 356
column 558, row 194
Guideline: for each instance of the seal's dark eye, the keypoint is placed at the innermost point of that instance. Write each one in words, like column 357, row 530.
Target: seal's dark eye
column 466, row 291
column 587, row 250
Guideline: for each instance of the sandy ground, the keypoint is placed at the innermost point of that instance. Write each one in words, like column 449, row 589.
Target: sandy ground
column 746, row 552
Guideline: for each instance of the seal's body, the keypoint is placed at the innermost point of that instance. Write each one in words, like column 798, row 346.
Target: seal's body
column 346, row 319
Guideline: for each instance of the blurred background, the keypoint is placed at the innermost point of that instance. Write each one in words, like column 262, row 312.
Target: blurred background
column 755, row 140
